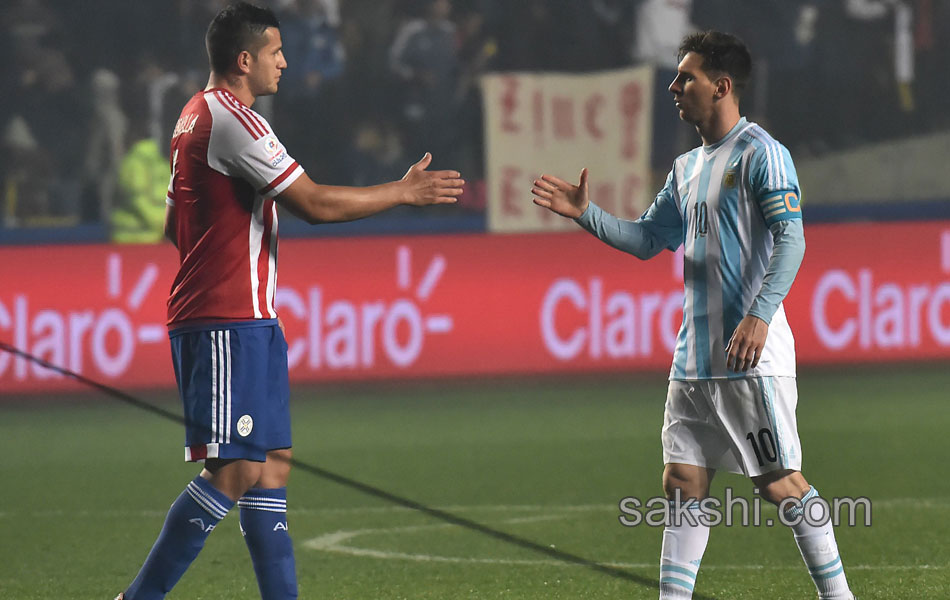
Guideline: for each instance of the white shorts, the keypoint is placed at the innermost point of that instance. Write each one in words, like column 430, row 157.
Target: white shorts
column 744, row 426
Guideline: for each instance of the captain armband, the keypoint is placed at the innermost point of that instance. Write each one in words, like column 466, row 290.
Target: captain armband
column 781, row 206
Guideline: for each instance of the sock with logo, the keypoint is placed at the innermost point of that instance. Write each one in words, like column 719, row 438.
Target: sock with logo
column 264, row 525
column 684, row 543
column 820, row 552
column 189, row 521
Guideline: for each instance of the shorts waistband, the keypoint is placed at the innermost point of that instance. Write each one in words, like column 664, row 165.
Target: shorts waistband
column 219, row 325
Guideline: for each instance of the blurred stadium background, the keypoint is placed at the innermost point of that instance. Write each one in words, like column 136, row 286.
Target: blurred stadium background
column 483, row 360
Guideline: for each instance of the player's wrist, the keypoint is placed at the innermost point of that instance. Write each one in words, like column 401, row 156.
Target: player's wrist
column 402, row 192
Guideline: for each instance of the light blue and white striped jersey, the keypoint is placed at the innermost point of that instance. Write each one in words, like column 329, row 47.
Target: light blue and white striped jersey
column 734, row 206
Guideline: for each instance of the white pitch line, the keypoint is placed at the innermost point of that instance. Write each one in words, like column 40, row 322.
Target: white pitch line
column 334, row 542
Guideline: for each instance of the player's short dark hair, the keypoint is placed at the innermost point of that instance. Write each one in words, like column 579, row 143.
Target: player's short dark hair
column 722, row 53
column 236, row 28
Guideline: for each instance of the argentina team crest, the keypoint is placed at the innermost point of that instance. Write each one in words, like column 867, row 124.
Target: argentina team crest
column 729, row 179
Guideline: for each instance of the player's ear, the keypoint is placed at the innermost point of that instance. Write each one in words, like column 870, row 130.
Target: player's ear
column 244, row 61
column 723, row 87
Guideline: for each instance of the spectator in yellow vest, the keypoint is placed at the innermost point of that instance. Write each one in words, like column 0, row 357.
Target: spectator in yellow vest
column 139, row 215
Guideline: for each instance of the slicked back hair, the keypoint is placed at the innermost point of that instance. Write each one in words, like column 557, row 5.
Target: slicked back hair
column 722, row 53
column 236, row 28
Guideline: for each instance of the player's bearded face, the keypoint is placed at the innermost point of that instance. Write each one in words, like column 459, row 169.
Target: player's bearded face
column 267, row 65
column 692, row 89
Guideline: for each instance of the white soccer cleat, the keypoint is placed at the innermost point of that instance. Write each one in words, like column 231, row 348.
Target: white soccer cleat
column 121, row 596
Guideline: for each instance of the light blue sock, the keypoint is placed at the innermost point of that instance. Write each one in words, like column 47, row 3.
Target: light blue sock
column 264, row 525
column 681, row 553
column 820, row 552
column 189, row 521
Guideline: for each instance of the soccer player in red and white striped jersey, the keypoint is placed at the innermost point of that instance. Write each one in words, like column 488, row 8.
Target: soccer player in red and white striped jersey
column 229, row 172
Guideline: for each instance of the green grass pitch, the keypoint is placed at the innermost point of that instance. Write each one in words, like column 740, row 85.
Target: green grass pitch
column 87, row 480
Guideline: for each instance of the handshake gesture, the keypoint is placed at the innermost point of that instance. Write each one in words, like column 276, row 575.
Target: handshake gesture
column 561, row 197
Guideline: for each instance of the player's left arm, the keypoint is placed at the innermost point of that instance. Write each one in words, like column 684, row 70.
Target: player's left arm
column 315, row 203
column 779, row 200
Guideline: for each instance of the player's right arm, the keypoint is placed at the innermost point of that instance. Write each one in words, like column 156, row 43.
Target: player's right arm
column 171, row 224
column 315, row 203
column 660, row 226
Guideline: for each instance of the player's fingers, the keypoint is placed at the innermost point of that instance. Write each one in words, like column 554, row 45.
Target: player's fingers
column 557, row 181
column 450, row 191
column 736, row 362
column 445, row 174
column 541, row 202
column 446, row 200
column 541, row 193
column 756, row 356
column 749, row 359
column 737, row 355
column 731, row 353
column 545, row 185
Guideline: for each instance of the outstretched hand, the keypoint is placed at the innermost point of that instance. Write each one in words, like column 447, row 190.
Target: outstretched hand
column 431, row 187
column 557, row 195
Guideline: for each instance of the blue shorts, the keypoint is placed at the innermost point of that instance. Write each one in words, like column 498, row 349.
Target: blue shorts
column 232, row 379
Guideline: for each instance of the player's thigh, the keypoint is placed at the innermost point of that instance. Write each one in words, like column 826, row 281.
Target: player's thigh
column 758, row 415
column 691, row 432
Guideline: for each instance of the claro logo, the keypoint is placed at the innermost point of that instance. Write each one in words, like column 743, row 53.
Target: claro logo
column 879, row 314
column 616, row 325
column 344, row 334
column 107, row 338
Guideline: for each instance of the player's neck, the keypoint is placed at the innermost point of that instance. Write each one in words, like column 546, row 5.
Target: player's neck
column 235, row 85
column 718, row 126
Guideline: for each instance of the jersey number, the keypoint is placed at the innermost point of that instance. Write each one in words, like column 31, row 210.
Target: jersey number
column 767, row 444
column 700, row 220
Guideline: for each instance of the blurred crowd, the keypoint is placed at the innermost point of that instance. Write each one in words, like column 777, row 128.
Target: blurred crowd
column 91, row 90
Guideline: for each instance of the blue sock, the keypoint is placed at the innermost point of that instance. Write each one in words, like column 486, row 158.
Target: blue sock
column 264, row 525
column 189, row 521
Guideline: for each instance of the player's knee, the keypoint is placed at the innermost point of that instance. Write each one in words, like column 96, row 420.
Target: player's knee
column 232, row 477
column 276, row 470
column 689, row 483
column 779, row 485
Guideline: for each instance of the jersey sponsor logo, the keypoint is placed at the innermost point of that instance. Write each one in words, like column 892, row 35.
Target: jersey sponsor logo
column 185, row 124
column 279, row 159
column 281, row 526
column 245, row 425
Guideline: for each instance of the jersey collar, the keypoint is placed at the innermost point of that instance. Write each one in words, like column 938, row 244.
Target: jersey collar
column 732, row 132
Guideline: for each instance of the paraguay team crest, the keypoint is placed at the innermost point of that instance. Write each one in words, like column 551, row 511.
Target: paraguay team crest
column 244, row 425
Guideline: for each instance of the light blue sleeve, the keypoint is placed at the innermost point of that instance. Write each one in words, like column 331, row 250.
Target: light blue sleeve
column 774, row 183
column 661, row 226
column 787, row 254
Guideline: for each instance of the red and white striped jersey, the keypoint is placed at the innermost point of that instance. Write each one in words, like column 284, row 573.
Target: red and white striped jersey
column 227, row 166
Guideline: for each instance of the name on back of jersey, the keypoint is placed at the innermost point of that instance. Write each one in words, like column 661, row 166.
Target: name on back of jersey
column 185, row 124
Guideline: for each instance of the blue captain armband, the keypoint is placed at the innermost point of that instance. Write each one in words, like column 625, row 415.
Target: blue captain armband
column 780, row 206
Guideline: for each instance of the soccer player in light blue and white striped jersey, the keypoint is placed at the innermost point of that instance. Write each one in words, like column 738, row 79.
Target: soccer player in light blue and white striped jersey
column 734, row 205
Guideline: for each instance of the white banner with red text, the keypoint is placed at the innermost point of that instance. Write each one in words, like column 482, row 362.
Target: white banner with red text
column 557, row 123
